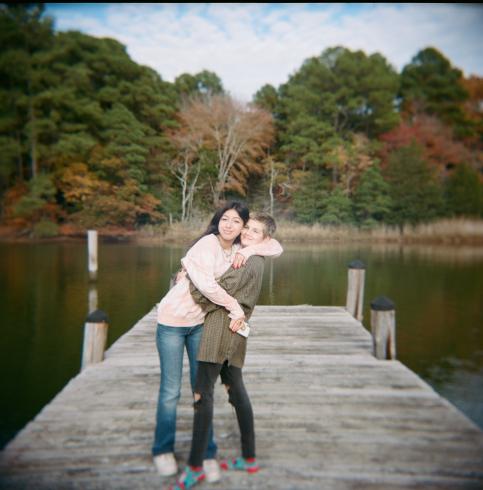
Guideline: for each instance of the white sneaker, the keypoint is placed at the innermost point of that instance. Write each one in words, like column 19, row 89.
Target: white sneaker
column 166, row 464
column 212, row 470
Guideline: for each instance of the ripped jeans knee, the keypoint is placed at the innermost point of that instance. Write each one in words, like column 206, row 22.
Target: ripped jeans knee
column 202, row 401
column 238, row 397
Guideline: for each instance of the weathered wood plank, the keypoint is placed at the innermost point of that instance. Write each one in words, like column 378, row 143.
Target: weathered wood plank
column 328, row 415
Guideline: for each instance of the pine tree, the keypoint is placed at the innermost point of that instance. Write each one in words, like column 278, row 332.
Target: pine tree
column 337, row 208
column 371, row 199
column 415, row 193
column 464, row 192
column 430, row 84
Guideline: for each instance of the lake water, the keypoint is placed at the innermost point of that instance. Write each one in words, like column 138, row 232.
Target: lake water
column 44, row 302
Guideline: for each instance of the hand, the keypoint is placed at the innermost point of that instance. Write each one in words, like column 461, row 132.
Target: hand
column 180, row 275
column 235, row 325
column 239, row 261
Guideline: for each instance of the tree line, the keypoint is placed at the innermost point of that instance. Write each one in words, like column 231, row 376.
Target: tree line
column 89, row 138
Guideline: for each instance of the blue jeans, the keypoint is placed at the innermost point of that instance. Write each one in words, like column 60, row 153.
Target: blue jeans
column 171, row 342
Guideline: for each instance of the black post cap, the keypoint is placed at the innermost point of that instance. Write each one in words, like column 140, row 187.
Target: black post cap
column 97, row 316
column 381, row 303
column 357, row 264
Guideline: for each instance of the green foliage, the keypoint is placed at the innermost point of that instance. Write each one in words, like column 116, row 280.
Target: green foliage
column 86, row 135
column 416, row 195
column 372, row 201
column 74, row 99
column 432, row 85
column 203, row 83
column 337, row 208
column 267, row 98
column 331, row 97
column 45, row 229
column 24, row 39
column 41, row 192
column 315, row 202
column 308, row 199
column 9, row 151
column 464, row 192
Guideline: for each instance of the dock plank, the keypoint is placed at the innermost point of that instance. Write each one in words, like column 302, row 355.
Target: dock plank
column 328, row 415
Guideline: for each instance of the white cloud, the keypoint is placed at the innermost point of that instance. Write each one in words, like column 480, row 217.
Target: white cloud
column 249, row 45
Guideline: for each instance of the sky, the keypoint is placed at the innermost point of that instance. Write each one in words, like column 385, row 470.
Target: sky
column 251, row 44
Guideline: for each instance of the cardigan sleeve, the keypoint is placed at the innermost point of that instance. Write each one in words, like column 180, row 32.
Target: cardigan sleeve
column 199, row 264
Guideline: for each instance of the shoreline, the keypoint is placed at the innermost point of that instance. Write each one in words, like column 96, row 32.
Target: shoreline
column 449, row 232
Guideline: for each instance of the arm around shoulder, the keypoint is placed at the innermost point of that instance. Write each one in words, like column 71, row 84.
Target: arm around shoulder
column 267, row 248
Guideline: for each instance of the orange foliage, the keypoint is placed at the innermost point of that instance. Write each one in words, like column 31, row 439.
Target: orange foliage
column 349, row 162
column 101, row 203
column 239, row 135
column 10, row 199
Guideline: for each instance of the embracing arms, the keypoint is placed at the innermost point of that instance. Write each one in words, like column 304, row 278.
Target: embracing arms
column 243, row 284
column 199, row 264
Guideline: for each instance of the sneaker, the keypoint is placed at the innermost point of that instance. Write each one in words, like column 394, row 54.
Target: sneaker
column 212, row 470
column 166, row 464
column 189, row 478
column 249, row 465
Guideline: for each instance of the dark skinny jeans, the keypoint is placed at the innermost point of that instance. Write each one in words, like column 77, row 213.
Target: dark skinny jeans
column 231, row 377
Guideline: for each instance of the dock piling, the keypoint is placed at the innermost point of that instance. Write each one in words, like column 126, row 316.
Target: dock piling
column 383, row 327
column 355, row 288
column 352, row 421
column 95, row 338
column 92, row 254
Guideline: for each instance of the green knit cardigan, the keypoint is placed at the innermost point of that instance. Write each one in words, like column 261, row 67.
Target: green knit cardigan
column 218, row 342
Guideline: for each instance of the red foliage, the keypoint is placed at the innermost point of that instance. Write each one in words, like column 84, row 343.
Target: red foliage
column 440, row 149
column 474, row 106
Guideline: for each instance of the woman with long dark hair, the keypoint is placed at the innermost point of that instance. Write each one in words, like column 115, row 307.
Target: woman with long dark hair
column 180, row 322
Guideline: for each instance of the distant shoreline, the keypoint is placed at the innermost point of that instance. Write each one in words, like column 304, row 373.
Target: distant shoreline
column 444, row 232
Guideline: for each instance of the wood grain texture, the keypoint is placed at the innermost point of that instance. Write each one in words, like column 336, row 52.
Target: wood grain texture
column 328, row 415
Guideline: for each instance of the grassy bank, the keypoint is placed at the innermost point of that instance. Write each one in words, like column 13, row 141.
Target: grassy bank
column 447, row 231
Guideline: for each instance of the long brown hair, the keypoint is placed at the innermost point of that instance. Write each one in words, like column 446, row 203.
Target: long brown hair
column 238, row 206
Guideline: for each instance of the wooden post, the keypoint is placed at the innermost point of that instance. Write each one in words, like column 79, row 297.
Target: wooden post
column 355, row 289
column 95, row 338
column 92, row 254
column 383, row 328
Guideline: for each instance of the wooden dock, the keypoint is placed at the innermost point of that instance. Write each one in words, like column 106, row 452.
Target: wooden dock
column 328, row 415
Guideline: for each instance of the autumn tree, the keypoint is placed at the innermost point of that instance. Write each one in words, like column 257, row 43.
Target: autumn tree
column 472, row 107
column 78, row 106
column 440, row 149
column 186, row 162
column 348, row 160
column 237, row 136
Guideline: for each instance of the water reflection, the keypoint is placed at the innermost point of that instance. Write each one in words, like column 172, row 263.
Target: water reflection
column 46, row 296
column 92, row 298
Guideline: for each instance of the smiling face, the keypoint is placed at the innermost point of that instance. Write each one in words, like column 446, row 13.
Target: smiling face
column 253, row 233
column 230, row 226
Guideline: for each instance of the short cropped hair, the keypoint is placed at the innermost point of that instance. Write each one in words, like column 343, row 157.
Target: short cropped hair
column 269, row 226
